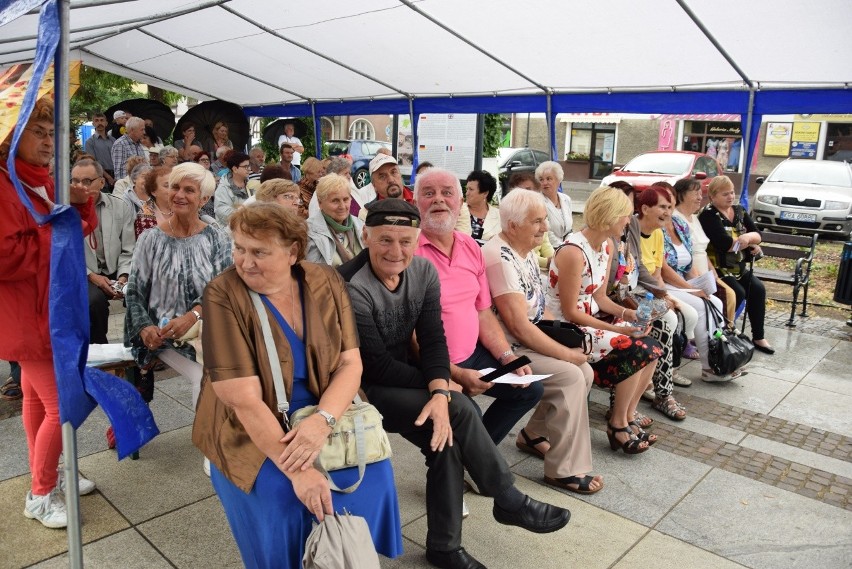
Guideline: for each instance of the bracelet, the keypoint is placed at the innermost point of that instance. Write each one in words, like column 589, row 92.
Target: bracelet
column 505, row 355
column 197, row 314
column 623, row 310
column 441, row 392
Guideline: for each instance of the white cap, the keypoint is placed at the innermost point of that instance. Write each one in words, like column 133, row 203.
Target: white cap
column 380, row 160
column 118, row 115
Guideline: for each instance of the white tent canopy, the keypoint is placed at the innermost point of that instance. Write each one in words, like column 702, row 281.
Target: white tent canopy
column 268, row 52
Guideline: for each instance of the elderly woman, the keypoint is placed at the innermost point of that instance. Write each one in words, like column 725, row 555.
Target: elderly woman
column 688, row 198
column 136, row 196
column 558, row 431
column 484, row 217
column 155, row 210
column 622, row 358
column 122, row 185
column 231, row 191
column 25, row 251
column 334, row 234
column 280, row 191
column 559, row 216
column 169, row 156
column 312, row 170
column 172, row 263
column 526, row 180
column 265, row 478
column 734, row 239
column 629, row 277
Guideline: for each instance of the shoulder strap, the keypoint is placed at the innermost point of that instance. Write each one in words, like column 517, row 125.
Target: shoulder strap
column 272, row 351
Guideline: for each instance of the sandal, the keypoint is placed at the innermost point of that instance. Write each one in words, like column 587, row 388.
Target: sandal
column 11, row 390
column 644, row 420
column 670, row 408
column 529, row 445
column 576, row 484
column 631, row 446
column 641, row 434
column 710, row 377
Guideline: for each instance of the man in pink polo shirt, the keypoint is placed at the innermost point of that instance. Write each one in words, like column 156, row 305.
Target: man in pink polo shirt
column 474, row 337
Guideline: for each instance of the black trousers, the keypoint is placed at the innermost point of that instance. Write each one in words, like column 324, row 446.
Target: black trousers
column 98, row 315
column 472, row 449
column 755, row 303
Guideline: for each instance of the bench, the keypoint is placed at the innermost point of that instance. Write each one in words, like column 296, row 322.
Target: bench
column 798, row 248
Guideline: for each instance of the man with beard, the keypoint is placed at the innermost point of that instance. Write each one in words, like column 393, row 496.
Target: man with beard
column 474, row 337
column 394, row 296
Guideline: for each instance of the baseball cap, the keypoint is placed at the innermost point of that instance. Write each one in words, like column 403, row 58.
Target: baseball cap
column 392, row 211
column 380, row 160
column 118, row 115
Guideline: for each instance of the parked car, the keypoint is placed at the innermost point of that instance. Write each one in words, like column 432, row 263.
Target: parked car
column 360, row 152
column 666, row 166
column 806, row 196
column 513, row 160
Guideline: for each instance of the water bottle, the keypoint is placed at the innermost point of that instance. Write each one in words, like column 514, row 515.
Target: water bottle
column 644, row 311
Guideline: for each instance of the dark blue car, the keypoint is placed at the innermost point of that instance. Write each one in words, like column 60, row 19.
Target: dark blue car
column 360, row 152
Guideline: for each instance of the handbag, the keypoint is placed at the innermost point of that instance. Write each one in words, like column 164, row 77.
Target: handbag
column 340, row 541
column 679, row 340
column 728, row 350
column 567, row 333
column 358, row 438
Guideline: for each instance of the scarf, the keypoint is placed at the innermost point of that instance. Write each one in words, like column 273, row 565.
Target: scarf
column 349, row 228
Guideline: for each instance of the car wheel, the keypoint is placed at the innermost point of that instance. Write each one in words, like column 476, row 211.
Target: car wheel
column 360, row 177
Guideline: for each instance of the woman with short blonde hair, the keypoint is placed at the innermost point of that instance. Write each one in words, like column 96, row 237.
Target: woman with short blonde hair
column 334, row 233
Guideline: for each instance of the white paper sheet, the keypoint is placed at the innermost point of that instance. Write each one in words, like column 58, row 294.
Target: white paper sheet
column 100, row 354
column 513, row 378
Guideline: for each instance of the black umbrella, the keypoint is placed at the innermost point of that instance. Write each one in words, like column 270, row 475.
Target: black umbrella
column 275, row 129
column 162, row 115
column 205, row 116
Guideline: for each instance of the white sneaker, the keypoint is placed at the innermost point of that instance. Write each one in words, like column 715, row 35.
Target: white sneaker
column 48, row 509
column 207, row 466
column 84, row 485
column 649, row 394
column 680, row 380
column 465, row 511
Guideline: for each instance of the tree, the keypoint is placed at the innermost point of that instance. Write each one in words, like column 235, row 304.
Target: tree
column 493, row 135
column 272, row 154
column 98, row 91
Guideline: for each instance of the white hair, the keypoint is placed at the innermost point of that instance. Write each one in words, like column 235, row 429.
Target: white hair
column 516, row 206
column 432, row 172
column 195, row 172
column 134, row 122
column 549, row 167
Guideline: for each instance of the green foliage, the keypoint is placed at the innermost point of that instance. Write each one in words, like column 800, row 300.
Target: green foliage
column 493, row 135
column 98, row 91
column 271, row 150
column 576, row 156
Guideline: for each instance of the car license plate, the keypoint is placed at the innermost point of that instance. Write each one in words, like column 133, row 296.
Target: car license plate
column 795, row 216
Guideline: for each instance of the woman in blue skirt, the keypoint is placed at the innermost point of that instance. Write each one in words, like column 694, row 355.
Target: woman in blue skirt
column 265, row 478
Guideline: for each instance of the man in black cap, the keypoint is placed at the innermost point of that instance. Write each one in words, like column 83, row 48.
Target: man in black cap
column 396, row 296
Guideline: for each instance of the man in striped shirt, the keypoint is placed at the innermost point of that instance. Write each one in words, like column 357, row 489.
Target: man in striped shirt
column 257, row 158
column 128, row 145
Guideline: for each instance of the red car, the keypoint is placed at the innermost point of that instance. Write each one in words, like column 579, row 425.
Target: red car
column 666, row 166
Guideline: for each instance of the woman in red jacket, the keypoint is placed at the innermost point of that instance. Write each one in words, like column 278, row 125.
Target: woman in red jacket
column 24, row 279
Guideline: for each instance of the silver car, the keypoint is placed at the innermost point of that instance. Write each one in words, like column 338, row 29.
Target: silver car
column 806, row 196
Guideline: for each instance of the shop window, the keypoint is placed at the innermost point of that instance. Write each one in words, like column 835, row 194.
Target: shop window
column 719, row 140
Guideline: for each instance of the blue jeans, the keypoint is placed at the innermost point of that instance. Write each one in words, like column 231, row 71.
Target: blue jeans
column 510, row 403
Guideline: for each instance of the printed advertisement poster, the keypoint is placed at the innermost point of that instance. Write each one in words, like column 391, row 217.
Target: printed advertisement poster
column 778, row 137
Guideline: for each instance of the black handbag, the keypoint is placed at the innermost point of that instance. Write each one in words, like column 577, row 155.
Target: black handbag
column 728, row 350
column 679, row 340
column 566, row 333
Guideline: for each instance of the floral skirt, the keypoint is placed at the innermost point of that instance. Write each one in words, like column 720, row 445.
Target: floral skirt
column 615, row 357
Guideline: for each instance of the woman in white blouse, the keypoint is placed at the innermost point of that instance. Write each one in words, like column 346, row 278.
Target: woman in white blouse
column 688, row 194
column 549, row 175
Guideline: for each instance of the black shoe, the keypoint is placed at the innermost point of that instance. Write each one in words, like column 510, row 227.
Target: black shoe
column 764, row 349
column 458, row 559
column 534, row 516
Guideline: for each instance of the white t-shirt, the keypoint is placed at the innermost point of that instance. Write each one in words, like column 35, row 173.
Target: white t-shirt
column 297, row 156
column 699, row 242
column 508, row 273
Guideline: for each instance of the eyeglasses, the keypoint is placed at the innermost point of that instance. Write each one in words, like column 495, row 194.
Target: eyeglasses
column 41, row 134
column 85, row 182
column 204, row 160
column 291, row 198
column 245, row 166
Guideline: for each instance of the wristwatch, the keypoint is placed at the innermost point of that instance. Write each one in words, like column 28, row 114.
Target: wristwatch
column 329, row 418
column 441, row 392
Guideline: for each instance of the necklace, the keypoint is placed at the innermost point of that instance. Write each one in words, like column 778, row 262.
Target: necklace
column 164, row 213
column 189, row 232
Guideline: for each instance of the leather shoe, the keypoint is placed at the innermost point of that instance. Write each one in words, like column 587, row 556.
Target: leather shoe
column 764, row 349
column 458, row 559
column 534, row 516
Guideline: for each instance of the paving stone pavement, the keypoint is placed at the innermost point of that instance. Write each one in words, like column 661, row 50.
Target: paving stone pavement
column 742, row 482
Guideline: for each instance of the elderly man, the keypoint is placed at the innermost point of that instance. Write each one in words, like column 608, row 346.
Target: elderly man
column 287, row 154
column 257, row 158
column 289, row 137
column 108, row 249
column 396, row 295
column 474, row 336
column 386, row 181
column 99, row 145
column 128, row 145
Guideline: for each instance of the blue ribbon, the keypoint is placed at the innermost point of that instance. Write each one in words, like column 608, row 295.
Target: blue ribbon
column 80, row 389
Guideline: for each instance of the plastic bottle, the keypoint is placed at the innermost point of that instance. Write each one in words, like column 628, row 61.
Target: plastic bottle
column 644, row 311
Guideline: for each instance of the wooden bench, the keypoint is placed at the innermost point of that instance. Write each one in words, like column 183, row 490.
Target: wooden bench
column 798, row 248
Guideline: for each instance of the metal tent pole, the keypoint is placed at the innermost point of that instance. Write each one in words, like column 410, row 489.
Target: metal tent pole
column 317, row 131
column 61, row 171
column 749, row 149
